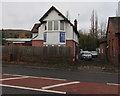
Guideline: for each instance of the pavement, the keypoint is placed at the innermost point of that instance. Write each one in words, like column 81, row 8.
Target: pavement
column 19, row 79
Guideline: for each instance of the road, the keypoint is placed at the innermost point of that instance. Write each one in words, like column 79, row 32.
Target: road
column 87, row 77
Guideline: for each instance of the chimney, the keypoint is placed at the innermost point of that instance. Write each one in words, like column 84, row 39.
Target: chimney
column 75, row 24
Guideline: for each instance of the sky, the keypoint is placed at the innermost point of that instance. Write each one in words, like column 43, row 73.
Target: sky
column 23, row 15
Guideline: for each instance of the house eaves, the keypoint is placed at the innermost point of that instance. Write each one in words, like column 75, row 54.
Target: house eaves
column 35, row 28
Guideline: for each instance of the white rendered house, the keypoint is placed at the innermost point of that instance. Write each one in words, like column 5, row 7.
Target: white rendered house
column 55, row 29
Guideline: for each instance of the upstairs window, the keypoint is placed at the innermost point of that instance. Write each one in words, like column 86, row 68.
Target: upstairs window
column 61, row 25
column 49, row 25
column 55, row 25
column 62, row 37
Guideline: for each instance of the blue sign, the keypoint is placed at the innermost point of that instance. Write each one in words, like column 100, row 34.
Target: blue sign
column 62, row 36
column 45, row 34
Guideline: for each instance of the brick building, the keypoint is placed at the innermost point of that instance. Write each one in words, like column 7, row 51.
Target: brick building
column 112, row 45
column 113, row 40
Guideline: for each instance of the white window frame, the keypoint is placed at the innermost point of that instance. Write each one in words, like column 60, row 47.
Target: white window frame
column 53, row 26
column 63, row 25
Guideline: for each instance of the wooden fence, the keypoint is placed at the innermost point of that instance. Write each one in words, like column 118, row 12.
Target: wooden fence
column 36, row 54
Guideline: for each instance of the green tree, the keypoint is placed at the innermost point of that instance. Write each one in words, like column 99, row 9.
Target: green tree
column 87, row 41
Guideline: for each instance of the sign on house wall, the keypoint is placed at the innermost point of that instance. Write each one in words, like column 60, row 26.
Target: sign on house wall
column 62, row 37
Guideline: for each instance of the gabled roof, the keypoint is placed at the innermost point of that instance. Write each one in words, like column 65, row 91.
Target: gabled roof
column 65, row 19
column 115, row 23
column 35, row 27
column 52, row 8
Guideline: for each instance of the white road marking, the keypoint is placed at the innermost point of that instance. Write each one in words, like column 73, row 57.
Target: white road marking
column 35, row 89
column 58, row 85
column 14, row 78
column 112, row 84
column 37, row 77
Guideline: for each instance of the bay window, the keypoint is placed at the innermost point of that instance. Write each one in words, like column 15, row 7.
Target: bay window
column 49, row 25
column 55, row 25
column 61, row 25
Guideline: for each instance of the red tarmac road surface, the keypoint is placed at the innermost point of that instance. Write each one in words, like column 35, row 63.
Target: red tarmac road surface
column 53, row 85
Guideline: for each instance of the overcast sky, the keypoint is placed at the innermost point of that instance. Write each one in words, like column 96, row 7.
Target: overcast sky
column 23, row 15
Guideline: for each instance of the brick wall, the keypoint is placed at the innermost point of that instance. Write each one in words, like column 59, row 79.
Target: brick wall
column 71, row 44
column 37, row 42
column 103, row 50
column 113, row 41
column 74, row 51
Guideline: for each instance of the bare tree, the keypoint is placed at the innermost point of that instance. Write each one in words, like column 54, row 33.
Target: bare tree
column 92, row 23
column 102, row 29
column 96, row 25
column 94, row 28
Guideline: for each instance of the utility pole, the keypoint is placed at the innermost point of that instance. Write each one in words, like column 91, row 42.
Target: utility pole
column 119, row 9
column 78, row 21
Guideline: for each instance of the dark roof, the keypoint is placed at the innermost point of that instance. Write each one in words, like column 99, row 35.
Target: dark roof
column 35, row 28
column 115, row 22
column 65, row 19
